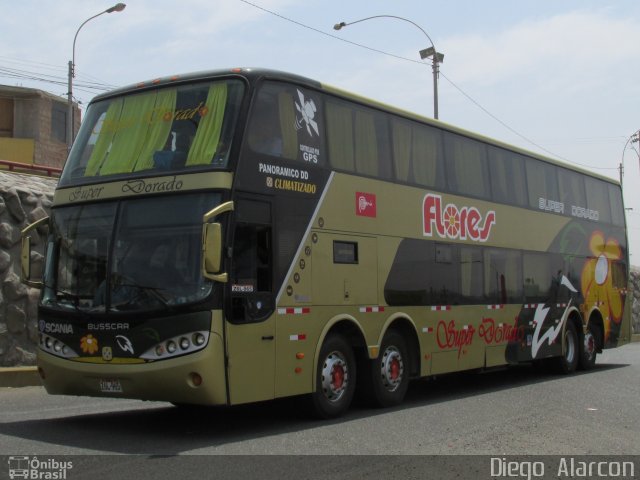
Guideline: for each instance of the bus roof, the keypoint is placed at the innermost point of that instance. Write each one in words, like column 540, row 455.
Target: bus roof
column 252, row 75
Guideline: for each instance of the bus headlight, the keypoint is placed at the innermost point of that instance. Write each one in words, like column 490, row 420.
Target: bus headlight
column 56, row 347
column 179, row 345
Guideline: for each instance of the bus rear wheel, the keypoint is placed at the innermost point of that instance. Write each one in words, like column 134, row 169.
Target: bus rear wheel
column 589, row 347
column 568, row 361
column 388, row 376
column 335, row 378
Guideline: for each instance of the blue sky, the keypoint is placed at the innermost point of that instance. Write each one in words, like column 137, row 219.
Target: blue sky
column 562, row 77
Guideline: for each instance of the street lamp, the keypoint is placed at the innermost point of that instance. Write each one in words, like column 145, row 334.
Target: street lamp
column 118, row 7
column 634, row 138
column 436, row 56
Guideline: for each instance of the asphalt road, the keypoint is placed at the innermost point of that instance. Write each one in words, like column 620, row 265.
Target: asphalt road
column 510, row 412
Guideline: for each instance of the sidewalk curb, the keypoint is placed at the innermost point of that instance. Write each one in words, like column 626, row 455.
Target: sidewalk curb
column 15, row 377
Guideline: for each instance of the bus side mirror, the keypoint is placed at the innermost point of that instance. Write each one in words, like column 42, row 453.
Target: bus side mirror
column 212, row 244
column 25, row 255
column 212, row 248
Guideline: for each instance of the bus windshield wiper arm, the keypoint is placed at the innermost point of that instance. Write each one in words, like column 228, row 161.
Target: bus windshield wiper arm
column 74, row 300
column 153, row 292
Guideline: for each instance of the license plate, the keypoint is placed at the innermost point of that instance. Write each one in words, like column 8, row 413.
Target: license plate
column 110, row 385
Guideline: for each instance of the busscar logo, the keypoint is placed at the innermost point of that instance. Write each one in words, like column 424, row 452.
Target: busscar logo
column 125, row 344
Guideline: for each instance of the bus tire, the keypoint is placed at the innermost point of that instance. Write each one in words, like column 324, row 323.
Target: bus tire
column 388, row 376
column 589, row 347
column 335, row 378
column 568, row 361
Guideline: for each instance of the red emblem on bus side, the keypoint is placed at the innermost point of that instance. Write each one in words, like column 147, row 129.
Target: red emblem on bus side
column 365, row 204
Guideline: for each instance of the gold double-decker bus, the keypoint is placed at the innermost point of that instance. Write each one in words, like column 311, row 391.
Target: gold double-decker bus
column 235, row 236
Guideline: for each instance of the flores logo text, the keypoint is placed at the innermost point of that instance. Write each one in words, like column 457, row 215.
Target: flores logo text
column 456, row 223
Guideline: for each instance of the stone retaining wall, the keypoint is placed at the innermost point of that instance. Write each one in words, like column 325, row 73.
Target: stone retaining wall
column 23, row 200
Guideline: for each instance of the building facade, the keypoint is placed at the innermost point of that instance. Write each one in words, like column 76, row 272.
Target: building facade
column 33, row 126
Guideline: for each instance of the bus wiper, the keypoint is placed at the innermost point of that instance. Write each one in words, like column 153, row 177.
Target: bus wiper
column 74, row 300
column 136, row 293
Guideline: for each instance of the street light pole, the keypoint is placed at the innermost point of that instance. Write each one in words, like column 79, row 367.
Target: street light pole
column 118, row 7
column 437, row 57
column 633, row 138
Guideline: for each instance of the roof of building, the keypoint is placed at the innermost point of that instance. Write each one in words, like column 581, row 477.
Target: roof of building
column 24, row 92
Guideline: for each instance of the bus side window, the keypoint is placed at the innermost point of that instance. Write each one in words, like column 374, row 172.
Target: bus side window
column 598, row 199
column 508, row 180
column 252, row 267
column 417, row 153
column 467, row 169
column 503, row 276
column 358, row 139
column 251, row 273
column 572, row 193
column 542, row 184
column 617, row 210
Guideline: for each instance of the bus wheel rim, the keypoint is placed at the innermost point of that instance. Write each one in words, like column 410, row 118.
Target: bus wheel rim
column 589, row 344
column 570, row 347
column 391, row 369
column 335, row 376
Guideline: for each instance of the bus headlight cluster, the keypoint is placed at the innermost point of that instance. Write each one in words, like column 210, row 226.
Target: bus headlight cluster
column 56, row 347
column 179, row 345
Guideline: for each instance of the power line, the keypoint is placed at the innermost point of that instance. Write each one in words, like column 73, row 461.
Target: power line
column 40, row 66
column 52, row 79
column 399, row 57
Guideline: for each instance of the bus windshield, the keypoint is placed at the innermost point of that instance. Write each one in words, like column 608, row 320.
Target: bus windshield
column 131, row 255
column 159, row 131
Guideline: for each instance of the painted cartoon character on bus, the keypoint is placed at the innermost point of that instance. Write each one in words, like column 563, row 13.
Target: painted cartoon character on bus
column 602, row 282
column 590, row 277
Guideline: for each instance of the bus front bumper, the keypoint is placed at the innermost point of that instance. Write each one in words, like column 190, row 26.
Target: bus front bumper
column 175, row 380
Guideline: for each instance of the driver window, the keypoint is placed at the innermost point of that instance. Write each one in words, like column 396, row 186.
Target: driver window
column 251, row 272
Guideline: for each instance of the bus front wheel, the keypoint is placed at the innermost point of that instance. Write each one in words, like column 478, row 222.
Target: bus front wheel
column 335, row 378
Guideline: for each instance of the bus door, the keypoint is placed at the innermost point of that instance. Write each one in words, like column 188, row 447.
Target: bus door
column 250, row 323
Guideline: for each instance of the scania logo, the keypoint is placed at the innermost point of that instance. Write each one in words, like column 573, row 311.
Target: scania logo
column 47, row 327
column 453, row 222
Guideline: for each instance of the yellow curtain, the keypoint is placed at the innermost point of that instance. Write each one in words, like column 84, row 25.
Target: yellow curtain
column 287, row 126
column 129, row 140
column 207, row 137
column 159, row 127
column 425, row 156
column 340, row 133
column 108, row 129
column 401, row 132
